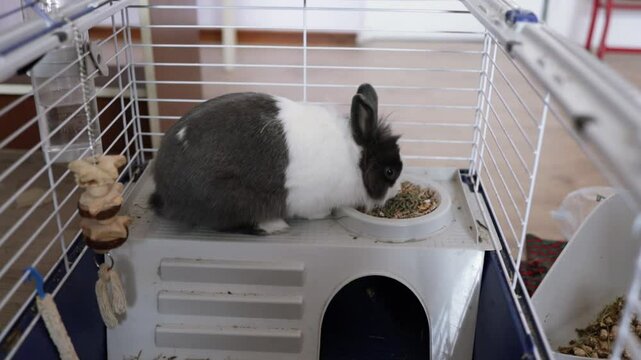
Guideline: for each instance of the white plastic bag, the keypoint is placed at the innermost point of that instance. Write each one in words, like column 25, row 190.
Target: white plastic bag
column 576, row 206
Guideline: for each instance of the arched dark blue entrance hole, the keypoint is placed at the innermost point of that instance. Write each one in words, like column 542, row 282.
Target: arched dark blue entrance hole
column 375, row 318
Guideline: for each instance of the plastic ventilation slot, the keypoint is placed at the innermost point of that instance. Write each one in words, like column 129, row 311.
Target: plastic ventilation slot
column 232, row 272
column 227, row 304
column 229, row 338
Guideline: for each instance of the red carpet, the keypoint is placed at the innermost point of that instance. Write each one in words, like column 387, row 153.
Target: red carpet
column 541, row 254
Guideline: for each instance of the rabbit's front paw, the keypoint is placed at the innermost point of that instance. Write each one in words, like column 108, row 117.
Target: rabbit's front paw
column 273, row 226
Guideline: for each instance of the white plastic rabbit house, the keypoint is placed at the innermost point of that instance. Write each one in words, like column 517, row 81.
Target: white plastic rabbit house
column 462, row 82
column 270, row 297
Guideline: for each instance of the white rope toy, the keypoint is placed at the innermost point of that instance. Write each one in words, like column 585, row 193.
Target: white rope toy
column 110, row 295
column 51, row 317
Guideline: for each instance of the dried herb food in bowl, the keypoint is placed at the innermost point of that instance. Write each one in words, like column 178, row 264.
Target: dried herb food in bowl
column 597, row 339
column 412, row 201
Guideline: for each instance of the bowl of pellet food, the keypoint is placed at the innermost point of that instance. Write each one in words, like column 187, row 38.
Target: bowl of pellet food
column 420, row 208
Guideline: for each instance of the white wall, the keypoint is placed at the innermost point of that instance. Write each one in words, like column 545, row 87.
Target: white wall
column 284, row 18
column 421, row 24
column 430, row 24
column 568, row 17
column 571, row 19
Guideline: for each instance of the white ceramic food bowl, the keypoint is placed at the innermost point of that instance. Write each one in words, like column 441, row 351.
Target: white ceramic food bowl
column 399, row 230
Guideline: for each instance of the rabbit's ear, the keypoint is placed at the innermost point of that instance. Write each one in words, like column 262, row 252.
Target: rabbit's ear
column 369, row 93
column 363, row 119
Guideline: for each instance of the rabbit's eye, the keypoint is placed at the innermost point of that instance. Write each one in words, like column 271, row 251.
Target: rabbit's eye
column 390, row 173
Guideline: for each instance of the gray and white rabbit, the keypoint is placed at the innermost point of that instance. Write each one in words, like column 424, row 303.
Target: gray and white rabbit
column 247, row 161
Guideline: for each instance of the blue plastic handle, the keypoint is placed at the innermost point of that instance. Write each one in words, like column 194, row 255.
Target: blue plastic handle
column 37, row 278
column 519, row 15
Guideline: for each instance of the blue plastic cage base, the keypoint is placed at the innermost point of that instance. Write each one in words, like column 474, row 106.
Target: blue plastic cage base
column 76, row 302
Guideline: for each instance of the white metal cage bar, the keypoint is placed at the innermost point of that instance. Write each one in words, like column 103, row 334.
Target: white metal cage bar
column 479, row 104
column 596, row 106
column 43, row 232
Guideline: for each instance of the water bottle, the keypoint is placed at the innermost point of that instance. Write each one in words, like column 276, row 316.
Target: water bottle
column 61, row 111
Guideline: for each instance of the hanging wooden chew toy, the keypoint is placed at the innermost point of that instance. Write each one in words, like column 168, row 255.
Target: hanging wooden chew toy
column 102, row 229
column 99, row 204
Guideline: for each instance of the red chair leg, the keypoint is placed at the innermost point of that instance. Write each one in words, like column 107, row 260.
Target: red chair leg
column 595, row 11
column 608, row 14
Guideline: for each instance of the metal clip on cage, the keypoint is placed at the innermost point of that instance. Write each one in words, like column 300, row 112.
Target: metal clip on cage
column 472, row 115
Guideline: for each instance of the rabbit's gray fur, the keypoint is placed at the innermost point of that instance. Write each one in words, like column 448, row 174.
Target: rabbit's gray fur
column 233, row 177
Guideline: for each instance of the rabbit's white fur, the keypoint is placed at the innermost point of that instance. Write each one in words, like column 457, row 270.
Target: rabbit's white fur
column 249, row 160
column 323, row 171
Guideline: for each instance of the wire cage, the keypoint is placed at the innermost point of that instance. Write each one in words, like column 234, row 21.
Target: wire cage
column 469, row 85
